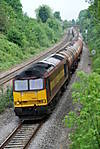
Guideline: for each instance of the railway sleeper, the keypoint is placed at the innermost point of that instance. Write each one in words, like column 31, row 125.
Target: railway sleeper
column 17, row 141
column 14, row 147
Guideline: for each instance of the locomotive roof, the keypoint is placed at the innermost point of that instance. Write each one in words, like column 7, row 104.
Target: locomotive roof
column 40, row 68
column 54, row 61
column 36, row 70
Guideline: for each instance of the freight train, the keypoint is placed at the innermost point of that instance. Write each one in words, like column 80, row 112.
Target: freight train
column 35, row 90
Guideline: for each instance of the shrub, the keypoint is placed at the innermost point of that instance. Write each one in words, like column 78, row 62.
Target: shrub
column 6, row 99
column 10, row 53
column 86, row 119
column 15, row 36
column 96, row 65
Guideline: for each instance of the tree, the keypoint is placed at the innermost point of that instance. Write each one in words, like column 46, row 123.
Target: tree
column 15, row 4
column 73, row 22
column 54, row 24
column 94, row 8
column 65, row 24
column 43, row 13
column 57, row 15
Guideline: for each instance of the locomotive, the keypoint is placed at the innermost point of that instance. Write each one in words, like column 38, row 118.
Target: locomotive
column 35, row 89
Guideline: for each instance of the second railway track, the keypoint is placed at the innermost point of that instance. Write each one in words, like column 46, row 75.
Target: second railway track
column 4, row 78
column 21, row 137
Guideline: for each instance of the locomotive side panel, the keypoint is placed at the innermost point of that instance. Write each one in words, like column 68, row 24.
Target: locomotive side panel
column 57, row 79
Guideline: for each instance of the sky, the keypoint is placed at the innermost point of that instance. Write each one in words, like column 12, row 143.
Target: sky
column 69, row 9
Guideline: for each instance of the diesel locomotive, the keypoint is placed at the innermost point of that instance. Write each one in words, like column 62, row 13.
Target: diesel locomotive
column 35, row 89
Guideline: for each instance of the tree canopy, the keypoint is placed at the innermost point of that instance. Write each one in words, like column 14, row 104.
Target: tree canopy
column 43, row 13
column 15, row 4
column 23, row 35
column 57, row 15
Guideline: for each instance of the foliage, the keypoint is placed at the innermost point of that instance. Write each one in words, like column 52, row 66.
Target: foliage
column 55, row 25
column 21, row 36
column 73, row 22
column 57, row 15
column 15, row 36
column 89, row 21
column 95, row 8
column 3, row 19
column 9, row 53
column 15, row 4
column 43, row 13
column 96, row 65
column 66, row 24
column 6, row 98
column 7, row 16
column 86, row 119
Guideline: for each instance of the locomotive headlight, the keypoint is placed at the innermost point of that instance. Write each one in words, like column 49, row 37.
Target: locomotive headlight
column 17, row 103
column 44, row 101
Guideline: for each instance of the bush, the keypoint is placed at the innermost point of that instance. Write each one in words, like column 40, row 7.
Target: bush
column 6, row 99
column 86, row 119
column 10, row 53
column 15, row 36
column 96, row 65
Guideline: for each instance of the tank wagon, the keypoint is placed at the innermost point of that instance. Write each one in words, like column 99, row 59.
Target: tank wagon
column 35, row 89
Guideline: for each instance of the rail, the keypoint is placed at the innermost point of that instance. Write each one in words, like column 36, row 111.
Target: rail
column 21, row 136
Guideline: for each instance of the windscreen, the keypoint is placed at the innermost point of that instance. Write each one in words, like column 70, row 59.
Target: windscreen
column 36, row 84
column 21, row 85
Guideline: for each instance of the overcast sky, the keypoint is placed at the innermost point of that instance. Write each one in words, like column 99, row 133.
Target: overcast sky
column 69, row 9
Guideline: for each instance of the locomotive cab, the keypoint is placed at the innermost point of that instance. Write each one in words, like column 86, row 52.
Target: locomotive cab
column 29, row 92
column 29, row 95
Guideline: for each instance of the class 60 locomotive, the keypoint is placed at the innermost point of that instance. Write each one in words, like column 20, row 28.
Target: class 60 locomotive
column 35, row 89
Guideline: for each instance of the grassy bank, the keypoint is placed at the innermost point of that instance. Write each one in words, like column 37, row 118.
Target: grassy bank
column 11, row 54
column 21, row 37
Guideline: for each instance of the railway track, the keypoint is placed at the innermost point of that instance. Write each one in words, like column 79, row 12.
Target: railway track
column 4, row 78
column 21, row 137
